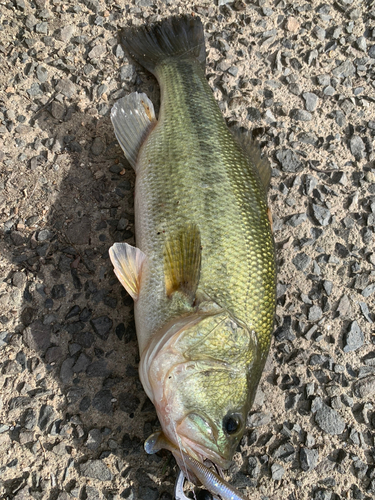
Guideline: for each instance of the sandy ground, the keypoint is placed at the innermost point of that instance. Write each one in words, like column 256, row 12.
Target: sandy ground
column 73, row 415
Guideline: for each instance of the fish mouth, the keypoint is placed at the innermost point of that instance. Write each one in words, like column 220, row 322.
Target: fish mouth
column 206, row 447
column 193, row 470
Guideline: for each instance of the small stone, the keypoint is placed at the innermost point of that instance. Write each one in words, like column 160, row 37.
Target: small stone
column 365, row 311
column 296, row 220
column 353, row 338
column 46, row 417
column 102, row 401
column 97, row 51
column 289, row 160
column 344, row 69
column 292, row 24
column 277, row 472
column 82, row 363
column 364, row 387
column 94, row 439
column 66, row 33
column 344, row 308
column 42, row 28
column 254, row 114
column 369, row 290
column 58, row 291
column 102, row 326
column 96, row 469
column 37, row 336
column 301, row 115
column 301, row 261
column 329, row 420
column 126, row 72
column 66, row 370
column 258, row 420
column 311, row 101
column 30, row 21
column 45, row 235
column 371, row 51
column 321, row 214
column 253, row 467
column 315, row 313
column 308, row 459
column 41, row 73
column 66, row 87
column 357, row 147
column 58, row 110
column 319, row 32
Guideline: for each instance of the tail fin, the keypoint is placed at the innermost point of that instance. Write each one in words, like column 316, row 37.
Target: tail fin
column 175, row 37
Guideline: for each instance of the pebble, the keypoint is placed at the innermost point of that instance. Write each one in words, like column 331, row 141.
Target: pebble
column 357, row 147
column 277, row 472
column 102, row 326
column 344, row 69
column 353, row 338
column 321, row 214
column 288, row 160
column 46, row 417
column 315, row 313
column 311, row 101
column 66, row 33
column 301, row 261
column 296, row 220
column 102, row 401
column 97, row 51
column 308, row 458
column 96, row 469
column 329, row 420
column 94, row 439
column 364, row 387
column 302, row 115
column 66, row 87
column 258, row 420
column 41, row 73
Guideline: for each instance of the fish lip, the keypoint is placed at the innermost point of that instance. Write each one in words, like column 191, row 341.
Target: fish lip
column 202, row 453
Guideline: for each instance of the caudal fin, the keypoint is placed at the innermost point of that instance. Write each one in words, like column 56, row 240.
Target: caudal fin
column 175, row 37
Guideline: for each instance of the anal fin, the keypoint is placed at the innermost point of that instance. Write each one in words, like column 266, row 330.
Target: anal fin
column 133, row 117
column 182, row 262
column 127, row 262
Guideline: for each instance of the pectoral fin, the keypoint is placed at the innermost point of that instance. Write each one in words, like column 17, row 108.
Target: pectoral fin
column 133, row 117
column 127, row 262
column 182, row 262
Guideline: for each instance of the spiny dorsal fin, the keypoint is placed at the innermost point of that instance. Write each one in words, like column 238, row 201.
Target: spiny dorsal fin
column 252, row 150
column 127, row 262
column 182, row 262
column 133, row 117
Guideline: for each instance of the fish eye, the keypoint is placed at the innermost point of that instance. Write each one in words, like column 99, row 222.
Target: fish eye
column 232, row 423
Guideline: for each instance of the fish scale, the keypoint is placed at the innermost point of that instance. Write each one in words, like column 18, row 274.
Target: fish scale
column 191, row 147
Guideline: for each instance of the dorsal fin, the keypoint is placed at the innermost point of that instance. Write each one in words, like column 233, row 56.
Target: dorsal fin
column 182, row 262
column 133, row 117
column 252, row 150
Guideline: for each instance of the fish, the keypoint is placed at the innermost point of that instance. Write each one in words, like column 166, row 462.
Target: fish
column 203, row 271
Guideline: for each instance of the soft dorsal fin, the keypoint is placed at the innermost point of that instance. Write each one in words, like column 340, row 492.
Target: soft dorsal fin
column 133, row 117
column 252, row 150
column 182, row 262
column 127, row 262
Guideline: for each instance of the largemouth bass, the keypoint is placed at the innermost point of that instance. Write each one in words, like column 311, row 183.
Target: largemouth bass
column 203, row 273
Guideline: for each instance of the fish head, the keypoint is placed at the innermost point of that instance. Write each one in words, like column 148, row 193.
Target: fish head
column 200, row 378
